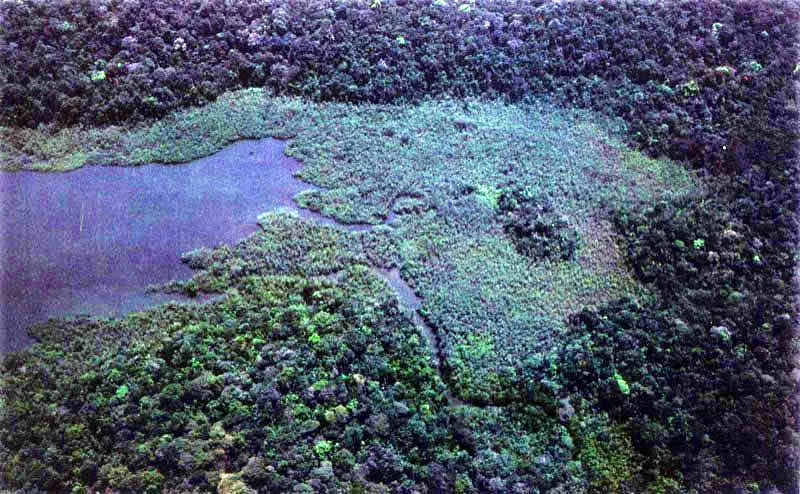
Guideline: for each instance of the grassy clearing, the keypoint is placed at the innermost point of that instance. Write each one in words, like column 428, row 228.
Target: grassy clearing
column 453, row 160
column 457, row 158
column 442, row 170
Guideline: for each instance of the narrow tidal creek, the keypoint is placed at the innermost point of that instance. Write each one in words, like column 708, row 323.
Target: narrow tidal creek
column 90, row 241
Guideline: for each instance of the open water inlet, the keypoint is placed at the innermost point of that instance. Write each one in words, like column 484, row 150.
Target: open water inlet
column 90, row 241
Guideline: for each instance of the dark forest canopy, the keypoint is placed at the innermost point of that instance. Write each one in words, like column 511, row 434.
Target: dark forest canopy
column 308, row 375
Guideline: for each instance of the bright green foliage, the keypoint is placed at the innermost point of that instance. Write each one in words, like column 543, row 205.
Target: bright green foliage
column 153, row 480
column 622, row 384
column 690, row 88
column 122, row 392
column 322, row 448
column 489, row 195
column 75, row 430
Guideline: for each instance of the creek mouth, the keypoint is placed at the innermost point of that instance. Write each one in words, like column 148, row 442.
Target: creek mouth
column 91, row 241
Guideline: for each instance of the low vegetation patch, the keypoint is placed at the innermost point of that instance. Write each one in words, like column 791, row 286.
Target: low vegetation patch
column 605, row 320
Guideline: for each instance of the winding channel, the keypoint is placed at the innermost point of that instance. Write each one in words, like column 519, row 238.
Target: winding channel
column 91, row 241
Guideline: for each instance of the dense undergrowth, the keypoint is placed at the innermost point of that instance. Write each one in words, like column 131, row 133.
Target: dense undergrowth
column 287, row 380
column 454, row 176
column 685, row 75
column 612, row 322
column 312, row 382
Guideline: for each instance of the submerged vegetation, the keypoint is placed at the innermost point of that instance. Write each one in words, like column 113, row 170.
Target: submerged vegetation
column 602, row 320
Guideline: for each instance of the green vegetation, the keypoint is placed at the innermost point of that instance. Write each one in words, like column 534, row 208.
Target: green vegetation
column 122, row 392
column 691, row 88
column 610, row 459
column 322, row 448
column 489, row 195
column 594, row 319
column 624, row 388
column 309, row 370
column 180, row 137
column 465, row 214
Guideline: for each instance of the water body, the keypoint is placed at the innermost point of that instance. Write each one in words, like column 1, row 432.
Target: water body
column 407, row 296
column 91, row 240
column 410, row 299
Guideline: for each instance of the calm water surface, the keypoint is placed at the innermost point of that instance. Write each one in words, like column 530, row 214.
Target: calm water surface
column 89, row 241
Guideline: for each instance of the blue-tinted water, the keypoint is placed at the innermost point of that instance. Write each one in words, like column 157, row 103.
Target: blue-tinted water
column 91, row 240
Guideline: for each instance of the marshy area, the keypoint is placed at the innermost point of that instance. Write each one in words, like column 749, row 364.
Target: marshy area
column 399, row 246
